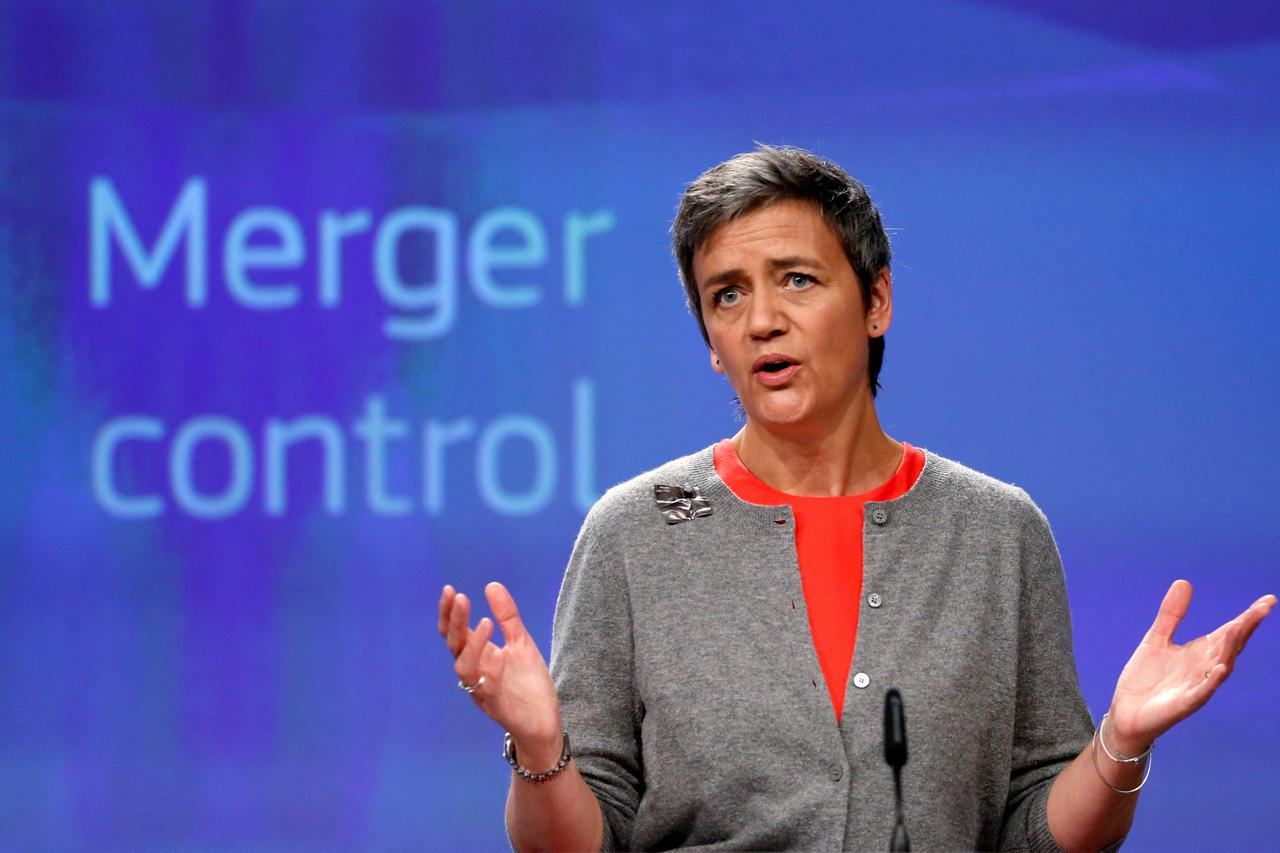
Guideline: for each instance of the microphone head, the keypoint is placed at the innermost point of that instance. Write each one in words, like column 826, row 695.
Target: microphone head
column 895, row 730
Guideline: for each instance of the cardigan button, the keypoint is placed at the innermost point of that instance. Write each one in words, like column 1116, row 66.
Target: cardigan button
column 879, row 516
column 861, row 680
column 837, row 774
column 874, row 599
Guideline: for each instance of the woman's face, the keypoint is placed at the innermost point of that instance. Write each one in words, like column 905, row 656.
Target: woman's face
column 785, row 316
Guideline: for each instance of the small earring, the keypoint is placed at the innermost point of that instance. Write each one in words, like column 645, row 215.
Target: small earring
column 874, row 326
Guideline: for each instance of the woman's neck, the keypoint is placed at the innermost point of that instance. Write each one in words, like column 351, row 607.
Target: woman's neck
column 849, row 457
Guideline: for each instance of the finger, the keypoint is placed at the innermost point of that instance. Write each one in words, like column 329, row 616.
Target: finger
column 458, row 632
column 492, row 663
column 467, row 666
column 446, row 604
column 505, row 612
column 1253, row 617
column 1226, row 653
column 1172, row 609
column 488, row 655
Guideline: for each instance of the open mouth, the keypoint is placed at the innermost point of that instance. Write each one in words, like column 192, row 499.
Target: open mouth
column 775, row 369
column 773, row 362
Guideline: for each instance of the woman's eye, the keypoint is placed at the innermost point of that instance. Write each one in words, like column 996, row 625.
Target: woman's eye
column 798, row 280
column 728, row 296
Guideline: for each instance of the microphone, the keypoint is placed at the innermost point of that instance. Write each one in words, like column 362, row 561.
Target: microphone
column 895, row 755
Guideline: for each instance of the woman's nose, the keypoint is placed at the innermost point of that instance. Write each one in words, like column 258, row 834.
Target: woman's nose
column 766, row 315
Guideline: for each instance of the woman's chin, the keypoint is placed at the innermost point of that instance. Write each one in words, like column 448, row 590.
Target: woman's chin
column 779, row 415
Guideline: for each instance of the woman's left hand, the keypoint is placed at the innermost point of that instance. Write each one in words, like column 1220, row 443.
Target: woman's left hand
column 1164, row 682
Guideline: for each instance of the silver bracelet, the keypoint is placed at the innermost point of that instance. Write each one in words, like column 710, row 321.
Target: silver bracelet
column 1121, row 759
column 1127, row 759
column 509, row 753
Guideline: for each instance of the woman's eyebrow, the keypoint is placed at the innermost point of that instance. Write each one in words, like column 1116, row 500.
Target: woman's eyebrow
column 736, row 274
column 796, row 261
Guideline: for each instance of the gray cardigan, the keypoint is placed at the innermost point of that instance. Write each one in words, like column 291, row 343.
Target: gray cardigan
column 697, row 710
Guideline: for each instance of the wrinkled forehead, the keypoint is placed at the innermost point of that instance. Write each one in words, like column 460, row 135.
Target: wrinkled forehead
column 784, row 229
column 783, row 209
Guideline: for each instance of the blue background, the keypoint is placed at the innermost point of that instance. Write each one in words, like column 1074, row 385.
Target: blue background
column 1082, row 199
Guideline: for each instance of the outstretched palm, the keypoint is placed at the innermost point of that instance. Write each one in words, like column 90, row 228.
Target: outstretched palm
column 1164, row 682
column 517, row 690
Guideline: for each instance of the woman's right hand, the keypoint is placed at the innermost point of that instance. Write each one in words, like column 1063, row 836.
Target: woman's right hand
column 517, row 691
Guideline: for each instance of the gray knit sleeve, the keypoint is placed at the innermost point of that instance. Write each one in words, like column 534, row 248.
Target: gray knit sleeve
column 591, row 663
column 1052, row 723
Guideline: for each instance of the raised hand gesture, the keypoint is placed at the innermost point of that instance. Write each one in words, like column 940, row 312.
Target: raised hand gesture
column 510, row 683
column 1164, row 682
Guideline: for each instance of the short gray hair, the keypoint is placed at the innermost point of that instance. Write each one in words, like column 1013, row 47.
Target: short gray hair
column 767, row 175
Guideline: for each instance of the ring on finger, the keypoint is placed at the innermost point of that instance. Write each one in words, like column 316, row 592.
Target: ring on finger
column 469, row 688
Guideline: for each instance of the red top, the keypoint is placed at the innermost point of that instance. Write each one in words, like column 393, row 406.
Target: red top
column 829, row 550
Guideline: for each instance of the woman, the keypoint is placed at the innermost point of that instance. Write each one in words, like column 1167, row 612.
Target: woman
column 729, row 622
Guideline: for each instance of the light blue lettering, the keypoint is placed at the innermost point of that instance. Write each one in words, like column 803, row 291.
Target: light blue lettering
column 333, row 227
column 483, row 256
column 577, row 228
column 107, row 218
column 544, row 480
column 113, row 433
column 182, row 474
column 376, row 429
column 585, row 492
column 436, row 436
column 286, row 252
column 280, row 436
column 438, row 293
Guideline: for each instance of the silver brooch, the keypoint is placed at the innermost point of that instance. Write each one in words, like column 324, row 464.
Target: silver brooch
column 680, row 503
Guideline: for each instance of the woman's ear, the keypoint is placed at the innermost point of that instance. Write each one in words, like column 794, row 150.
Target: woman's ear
column 715, row 362
column 880, row 304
